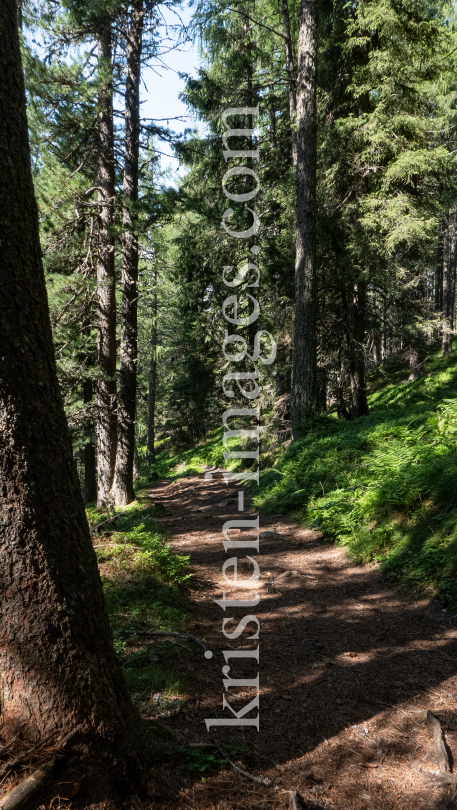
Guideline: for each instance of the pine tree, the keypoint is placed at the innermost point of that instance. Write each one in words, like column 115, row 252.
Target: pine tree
column 59, row 669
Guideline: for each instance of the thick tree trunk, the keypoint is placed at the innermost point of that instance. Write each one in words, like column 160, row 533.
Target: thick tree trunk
column 357, row 333
column 58, row 667
column 123, row 479
column 304, row 383
column 291, row 80
column 449, row 267
column 152, row 380
column 106, row 281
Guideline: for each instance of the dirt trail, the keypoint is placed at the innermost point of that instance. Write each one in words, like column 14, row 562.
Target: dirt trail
column 348, row 667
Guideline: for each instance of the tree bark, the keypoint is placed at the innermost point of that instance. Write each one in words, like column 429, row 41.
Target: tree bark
column 452, row 274
column 123, row 479
column 304, row 383
column 152, row 379
column 416, row 369
column 58, row 668
column 439, row 277
column 449, row 266
column 359, row 402
column 106, row 280
column 90, row 458
column 291, row 80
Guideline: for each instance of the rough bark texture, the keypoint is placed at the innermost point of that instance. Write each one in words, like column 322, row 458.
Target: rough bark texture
column 106, row 282
column 283, row 380
column 152, row 381
column 304, row 387
column 123, row 479
column 449, row 268
column 90, row 458
column 439, row 276
column 357, row 334
column 291, row 81
column 58, row 669
column 416, row 368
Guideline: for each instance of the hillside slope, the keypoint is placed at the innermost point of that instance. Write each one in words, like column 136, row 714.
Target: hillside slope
column 385, row 485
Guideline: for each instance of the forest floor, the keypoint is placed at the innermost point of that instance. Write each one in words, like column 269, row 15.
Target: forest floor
column 349, row 666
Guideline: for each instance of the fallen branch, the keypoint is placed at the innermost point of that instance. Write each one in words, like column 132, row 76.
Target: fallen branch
column 184, row 636
column 434, row 729
column 96, row 529
column 27, row 788
column 259, row 779
column 173, row 731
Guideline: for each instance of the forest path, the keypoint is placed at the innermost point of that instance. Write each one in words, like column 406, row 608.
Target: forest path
column 349, row 664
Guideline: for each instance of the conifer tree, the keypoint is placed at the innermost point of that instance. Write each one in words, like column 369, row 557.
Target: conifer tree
column 60, row 675
column 304, row 371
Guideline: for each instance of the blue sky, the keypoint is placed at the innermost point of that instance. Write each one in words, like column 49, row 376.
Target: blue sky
column 162, row 85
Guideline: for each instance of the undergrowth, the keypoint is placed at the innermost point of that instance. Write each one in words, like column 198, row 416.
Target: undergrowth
column 172, row 462
column 385, row 485
column 143, row 581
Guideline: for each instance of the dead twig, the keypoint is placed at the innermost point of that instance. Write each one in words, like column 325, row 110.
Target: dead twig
column 96, row 529
column 184, row 636
column 259, row 779
column 8, row 766
column 27, row 788
column 8, row 746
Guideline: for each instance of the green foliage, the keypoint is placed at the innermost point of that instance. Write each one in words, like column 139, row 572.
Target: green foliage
column 143, row 582
column 384, row 486
column 209, row 452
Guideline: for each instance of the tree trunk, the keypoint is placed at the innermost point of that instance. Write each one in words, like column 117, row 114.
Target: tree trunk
column 452, row 273
column 106, row 281
column 90, row 459
column 152, row 379
column 291, row 82
column 445, row 342
column 416, row 369
column 123, row 479
column 439, row 278
column 304, row 384
column 449, row 265
column 283, row 380
column 341, row 410
column 357, row 317
column 58, row 666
